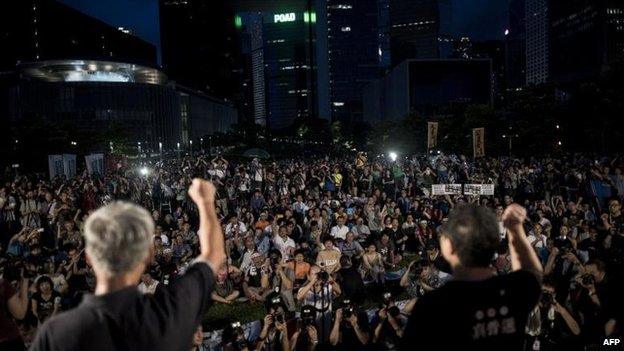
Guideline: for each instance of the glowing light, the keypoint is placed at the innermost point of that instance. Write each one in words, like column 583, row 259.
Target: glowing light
column 144, row 171
column 393, row 156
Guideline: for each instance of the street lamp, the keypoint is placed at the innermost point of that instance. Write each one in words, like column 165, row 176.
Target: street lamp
column 201, row 143
column 191, row 145
column 178, row 145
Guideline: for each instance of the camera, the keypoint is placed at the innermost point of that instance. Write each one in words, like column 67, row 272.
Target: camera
column 308, row 315
column 547, row 298
column 387, row 298
column 587, row 279
column 394, row 311
column 323, row 276
column 347, row 310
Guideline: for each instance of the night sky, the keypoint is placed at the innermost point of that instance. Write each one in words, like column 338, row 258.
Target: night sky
column 478, row 19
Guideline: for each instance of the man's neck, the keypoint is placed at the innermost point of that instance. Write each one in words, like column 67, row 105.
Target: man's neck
column 112, row 284
column 472, row 273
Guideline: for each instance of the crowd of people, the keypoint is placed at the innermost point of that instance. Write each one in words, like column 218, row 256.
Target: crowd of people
column 315, row 240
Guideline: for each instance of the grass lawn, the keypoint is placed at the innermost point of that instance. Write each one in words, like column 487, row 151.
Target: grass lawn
column 219, row 315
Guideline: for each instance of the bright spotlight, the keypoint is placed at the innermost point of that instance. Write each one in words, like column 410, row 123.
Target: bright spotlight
column 144, row 171
column 393, row 156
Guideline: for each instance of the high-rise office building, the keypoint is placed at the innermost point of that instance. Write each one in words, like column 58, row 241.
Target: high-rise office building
column 281, row 49
column 34, row 30
column 586, row 36
column 515, row 45
column 536, row 12
column 201, row 46
column 354, row 54
column 415, row 28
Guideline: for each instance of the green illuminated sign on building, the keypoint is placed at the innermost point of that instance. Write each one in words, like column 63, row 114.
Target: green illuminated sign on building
column 284, row 17
column 238, row 21
column 309, row 17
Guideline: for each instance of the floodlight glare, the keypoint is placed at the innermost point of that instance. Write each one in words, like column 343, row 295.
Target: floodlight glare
column 144, row 171
column 393, row 156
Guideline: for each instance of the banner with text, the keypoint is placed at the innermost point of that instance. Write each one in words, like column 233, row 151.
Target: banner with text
column 465, row 189
column 55, row 165
column 95, row 163
column 69, row 165
column 432, row 135
column 478, row 142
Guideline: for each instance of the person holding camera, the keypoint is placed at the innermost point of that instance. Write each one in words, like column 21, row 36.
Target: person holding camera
column 595, row 299
column 550, row 325
column 351, row 329
column 388, row 325
column 274, row 333
column 478, row 309
column 319, row 292
column 306, row 336
column 233, row 338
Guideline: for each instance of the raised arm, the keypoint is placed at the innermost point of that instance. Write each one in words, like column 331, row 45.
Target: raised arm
column 211, row 240
column 523, row 256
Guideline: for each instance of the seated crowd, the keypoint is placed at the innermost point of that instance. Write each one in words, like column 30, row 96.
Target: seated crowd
column 315, row 240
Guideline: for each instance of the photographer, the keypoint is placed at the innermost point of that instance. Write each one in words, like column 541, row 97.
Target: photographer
column 305, row 338
column 388, row 325
column 595, row 301
column 13, row 305
column 550, row 326
column 281, row 278
column 477, row 309
column 274, row 334
column 233, row 338
column 319, row 292
column 351, row 329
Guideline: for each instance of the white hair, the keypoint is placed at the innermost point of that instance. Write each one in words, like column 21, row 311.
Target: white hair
column 118, row 237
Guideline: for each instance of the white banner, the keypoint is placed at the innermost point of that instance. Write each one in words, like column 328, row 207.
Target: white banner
column 55, row 165
column 479, row 189
column 472, row 189
column 446, row 189
column 69, row 165
column 95, row 163
column 468, row 189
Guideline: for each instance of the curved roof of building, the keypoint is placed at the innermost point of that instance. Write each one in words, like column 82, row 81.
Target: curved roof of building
column 91, row 71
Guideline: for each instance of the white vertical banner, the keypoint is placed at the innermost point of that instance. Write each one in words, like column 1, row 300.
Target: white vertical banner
column 95, row 163
column 55, row 165
column 69, row 165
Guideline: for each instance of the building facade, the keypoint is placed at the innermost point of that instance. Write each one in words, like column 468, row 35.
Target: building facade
column 427, row 86
column 201, row 46
column 536, row 12
column 131, row 103
column 416, row 27
column 515, row 45
column 585, row 38
column 50, row 30
column 354, row 55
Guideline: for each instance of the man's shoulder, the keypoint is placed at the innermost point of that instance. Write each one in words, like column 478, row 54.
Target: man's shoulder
column 66, row 328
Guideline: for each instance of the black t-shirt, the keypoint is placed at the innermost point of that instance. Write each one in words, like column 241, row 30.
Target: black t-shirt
column 129, row 320
column 474, row 315
column 349, row 339
column 352, row 284
column 45, row 307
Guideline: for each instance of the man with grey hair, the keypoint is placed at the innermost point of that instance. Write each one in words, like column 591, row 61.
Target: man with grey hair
column 118, row 240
